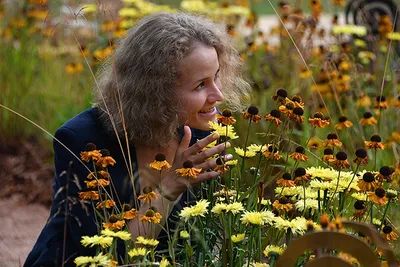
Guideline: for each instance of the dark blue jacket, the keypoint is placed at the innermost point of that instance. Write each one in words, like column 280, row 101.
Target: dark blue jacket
column 75, row 134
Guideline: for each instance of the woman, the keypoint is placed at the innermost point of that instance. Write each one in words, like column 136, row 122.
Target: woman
column 170, row 70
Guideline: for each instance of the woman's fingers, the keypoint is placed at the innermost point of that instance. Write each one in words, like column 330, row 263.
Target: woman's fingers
column 211, row 163
column 199, row 145
column 204, row 155
column 205, row 176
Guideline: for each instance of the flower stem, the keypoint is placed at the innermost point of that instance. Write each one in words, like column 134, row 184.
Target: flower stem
column 384, row 215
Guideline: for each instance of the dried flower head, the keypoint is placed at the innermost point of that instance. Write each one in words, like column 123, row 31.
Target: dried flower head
column 226, row 118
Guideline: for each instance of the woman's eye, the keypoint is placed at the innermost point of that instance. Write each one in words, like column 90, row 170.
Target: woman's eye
column 200, row 86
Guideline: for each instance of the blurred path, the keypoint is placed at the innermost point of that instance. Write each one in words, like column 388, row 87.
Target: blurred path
column 20, row 225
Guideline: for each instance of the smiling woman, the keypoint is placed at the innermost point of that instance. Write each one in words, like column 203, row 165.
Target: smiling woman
column 154, row 99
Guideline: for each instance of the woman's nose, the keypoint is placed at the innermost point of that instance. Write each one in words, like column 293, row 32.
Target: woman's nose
column 215, row 94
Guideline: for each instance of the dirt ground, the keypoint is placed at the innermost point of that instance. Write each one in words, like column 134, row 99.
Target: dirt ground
column 20, row 225
column 26, row 175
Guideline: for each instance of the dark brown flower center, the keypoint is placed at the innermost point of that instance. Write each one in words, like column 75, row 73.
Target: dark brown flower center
column 359, row 205
column 380, row 192
column 253, row 110
column 299, row 172
column 287, row 176
column 300, row 149
column 385, row 171
column 319, row 115
column 376, row 138
column 105, row 152
column 328, row 151
column 281, row 92
column 298, row 111
column 361, row 153
column 367, row 115
column 341, row 155
column 342, row 118
column 227, row 113
column 188, row 164
column 160, row 157
column 90, row 147
column 368, row 177
column 275, row 113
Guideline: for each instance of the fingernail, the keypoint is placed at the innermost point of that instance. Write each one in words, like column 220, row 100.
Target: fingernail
column 215, row 135
column 229, row 156
column 227, row 145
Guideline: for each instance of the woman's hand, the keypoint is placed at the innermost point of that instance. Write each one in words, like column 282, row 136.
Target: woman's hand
column 173, row 185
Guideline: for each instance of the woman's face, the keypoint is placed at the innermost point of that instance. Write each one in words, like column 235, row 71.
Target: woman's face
column 199, row 87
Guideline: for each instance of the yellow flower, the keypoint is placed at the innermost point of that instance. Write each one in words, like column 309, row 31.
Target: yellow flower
column 240, row 152
column 146, row 242
column 227, row 131
column 257, row 148
column 273, row 249
column 98, row 260
column 349, row 29
column 184, row 234
column 237, row 238
column 137, row 252
column 120, row 234
column 197, row 210
column 257, row 218
column 164, row 263
column 73, row 68
column 103, row 241
column 395, row 36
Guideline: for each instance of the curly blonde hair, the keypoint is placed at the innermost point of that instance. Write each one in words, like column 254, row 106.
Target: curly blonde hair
column 137, row 85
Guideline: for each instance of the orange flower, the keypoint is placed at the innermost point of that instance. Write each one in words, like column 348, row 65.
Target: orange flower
column 188, row 170
column 368, row 182
column 128, row 212
column 280, row 96
column 102, row 174
column 368, row 119
column 300, row 175
column 385, row 173
column 389, row 234
column 226, row 118
column 361, row 156
column 344, row 123
column 318, row 120
column 96, row 183
column 378, row 197
column 282, row 204
column 381, row 102
column 286, row 180
column 274, row 116
column 106, row 159
column 299, row 154
column 109, row 203
column 160, row 163
column 114, row 223
column 151, row 216
column 287, row 109
column 252, row 114
column 332, row 141
column 375, row 143
column 359, row 207
column 341, row 160
column 90, row 153
column 297, row 101
column 272, row 153
column 221, row 166
column 148, row 195
column 297, row 115
column 93, row 195
column 328, row 155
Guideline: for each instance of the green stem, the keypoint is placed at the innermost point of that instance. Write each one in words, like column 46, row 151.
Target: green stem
column 245, row 149
column 384, row 215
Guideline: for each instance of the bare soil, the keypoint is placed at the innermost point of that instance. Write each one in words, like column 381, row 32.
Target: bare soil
column 26, row 175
